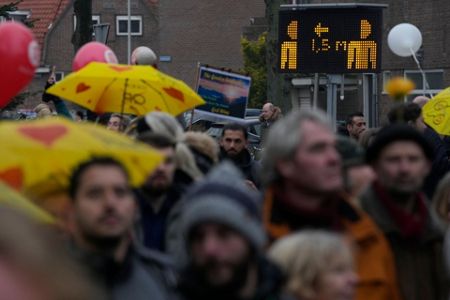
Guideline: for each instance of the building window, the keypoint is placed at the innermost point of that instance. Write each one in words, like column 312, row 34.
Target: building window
column 122, row 25
column 19, row 15
column 435, row 79
column 95, row 21
column 59, row 76
column 386, row 77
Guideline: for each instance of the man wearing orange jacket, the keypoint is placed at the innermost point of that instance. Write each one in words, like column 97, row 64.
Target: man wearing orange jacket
column 303, row 176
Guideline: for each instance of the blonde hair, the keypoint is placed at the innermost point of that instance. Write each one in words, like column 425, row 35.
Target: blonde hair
column 42, row 110
column 203, row 143
column 305, row 257
column 441, row 198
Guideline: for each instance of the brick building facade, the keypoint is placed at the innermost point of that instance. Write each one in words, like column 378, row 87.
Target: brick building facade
column 182, row 33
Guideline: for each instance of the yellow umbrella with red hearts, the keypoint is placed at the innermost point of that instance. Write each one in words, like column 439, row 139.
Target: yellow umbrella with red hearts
column 45, row 152
column 11, row 198
column 134, row 90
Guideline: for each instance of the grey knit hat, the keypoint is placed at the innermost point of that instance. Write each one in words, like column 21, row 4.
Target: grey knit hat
column 223, row 197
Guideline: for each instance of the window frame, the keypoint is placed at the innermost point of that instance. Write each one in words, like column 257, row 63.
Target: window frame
column 424, row 91
column 94, row 18
column 132, row 18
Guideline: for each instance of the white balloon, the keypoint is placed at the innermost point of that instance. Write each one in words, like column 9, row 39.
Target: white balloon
column 403, row 38
column 144, row 56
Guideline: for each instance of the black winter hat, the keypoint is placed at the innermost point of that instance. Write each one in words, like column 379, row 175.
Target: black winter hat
column 223, row 197
column 395, row 133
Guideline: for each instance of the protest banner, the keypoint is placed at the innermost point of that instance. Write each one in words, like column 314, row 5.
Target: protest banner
column 225, row 93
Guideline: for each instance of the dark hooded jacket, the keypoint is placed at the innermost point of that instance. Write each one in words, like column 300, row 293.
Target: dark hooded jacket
column 270, row 284
column 266, row 124
column 248, row 166
column 143, row 274
column 441, row 163
column 151, row 225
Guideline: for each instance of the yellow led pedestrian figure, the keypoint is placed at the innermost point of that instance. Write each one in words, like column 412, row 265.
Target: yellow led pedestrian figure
column 360, row 53
column 289, row 48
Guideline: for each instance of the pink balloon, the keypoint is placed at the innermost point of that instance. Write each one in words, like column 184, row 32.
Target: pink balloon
column 93, row 51
column 19, row 58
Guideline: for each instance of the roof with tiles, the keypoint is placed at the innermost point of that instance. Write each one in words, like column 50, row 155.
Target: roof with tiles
column 44, row 11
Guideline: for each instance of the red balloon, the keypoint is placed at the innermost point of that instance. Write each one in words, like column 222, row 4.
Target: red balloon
column 93, row 51
column 19, row 58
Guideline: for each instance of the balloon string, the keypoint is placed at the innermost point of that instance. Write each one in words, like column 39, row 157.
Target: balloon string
column 427, row 86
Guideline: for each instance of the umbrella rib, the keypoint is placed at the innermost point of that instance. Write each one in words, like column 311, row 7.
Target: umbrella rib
column 107, row 87
column 158, row 92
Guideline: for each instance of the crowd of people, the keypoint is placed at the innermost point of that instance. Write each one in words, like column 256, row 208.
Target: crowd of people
column 360, row 214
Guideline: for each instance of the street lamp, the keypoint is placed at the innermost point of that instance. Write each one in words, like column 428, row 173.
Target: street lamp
column 101, row 32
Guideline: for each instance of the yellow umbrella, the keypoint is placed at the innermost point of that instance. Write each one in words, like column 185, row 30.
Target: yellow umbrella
column 134, row 90
column 436, row 113
column 15, row 200
column 45, row 152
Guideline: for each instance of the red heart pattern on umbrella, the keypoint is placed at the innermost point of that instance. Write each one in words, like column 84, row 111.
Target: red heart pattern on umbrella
column 120, row 69
column 46, row 135
column 177, row 94
column 81, row 87
column 13, row 177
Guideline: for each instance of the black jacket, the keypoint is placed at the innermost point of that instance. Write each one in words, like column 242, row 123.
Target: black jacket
column 248, row 166
column 142, row 275
column 270, row 284
column 440, row 165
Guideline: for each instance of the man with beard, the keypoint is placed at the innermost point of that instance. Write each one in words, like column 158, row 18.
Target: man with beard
column 355, row 125
column 224, row 240
column 233, row 146
column 102, row 213
column 401, row 158
column 159, row 194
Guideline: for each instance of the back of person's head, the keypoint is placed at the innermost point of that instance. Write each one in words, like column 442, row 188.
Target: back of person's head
column 351, row 152
column 368, row 136
column 34, row 265
column 235, row 127
column 284, row 138
column 421, row 100
column 42, row 110
column 78, row 172
column 156, row 140
column 306, row 257
column 184, row 159
column 204, row 148
column 161, row 123
column 404, row 113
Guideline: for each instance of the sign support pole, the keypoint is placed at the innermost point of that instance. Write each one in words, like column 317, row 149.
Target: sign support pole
column 316, row 91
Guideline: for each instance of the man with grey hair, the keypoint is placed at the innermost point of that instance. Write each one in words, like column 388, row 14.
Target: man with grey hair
column 301, row 169
column 421, row 100
column 269, row 115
